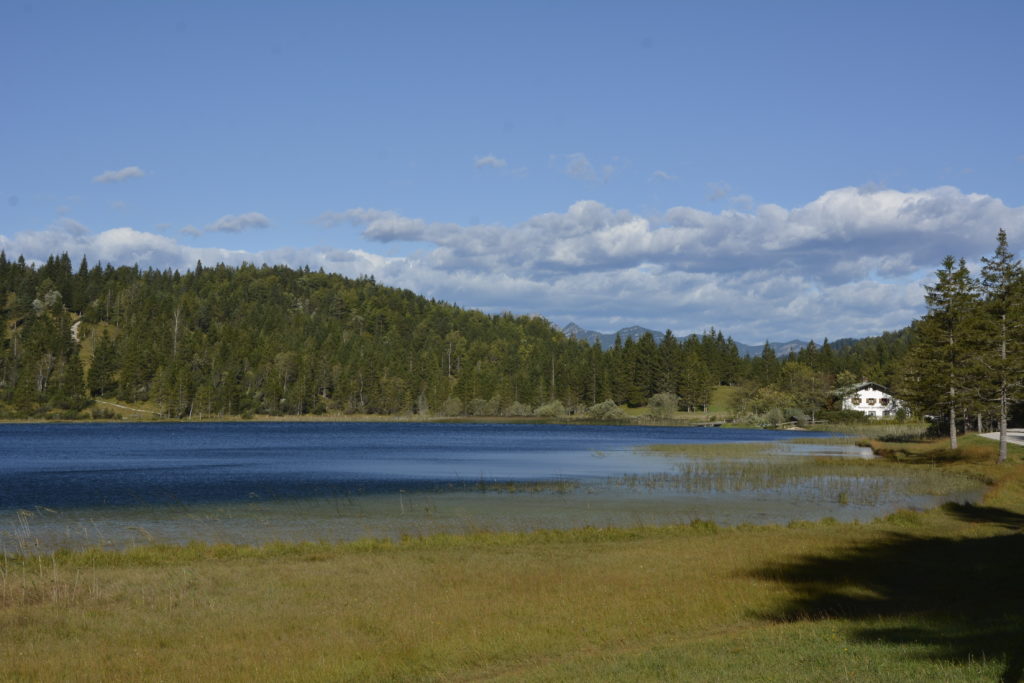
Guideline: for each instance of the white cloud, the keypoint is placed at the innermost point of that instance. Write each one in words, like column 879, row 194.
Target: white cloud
column 117, row 176
column 742, row 201
column 490, row 161
column 662, row 175
column 245, row 221
column 191, row 231
column 717, row 191
column 578, row 166
column 850, row 263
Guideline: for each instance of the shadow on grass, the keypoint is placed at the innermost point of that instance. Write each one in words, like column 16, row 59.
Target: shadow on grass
column 963, row 598
column 983, row 514
column 937, row 456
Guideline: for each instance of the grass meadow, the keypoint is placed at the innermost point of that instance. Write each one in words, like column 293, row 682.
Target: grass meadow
column 917, row 596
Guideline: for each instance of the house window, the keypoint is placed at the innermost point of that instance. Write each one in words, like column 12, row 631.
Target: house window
column 884, row 401
column 855, row 400
column 871, row 401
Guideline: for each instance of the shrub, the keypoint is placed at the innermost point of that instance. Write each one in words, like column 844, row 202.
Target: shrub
column 478, row 407
column 518, row 409
column 451, row 407
column 606, row 410
column 844, row 416
column 551, row 409
column 663, row 406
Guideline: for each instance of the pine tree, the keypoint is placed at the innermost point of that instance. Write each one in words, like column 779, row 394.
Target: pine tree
column 1002, row 282
column 101, row 380
column 942, row 367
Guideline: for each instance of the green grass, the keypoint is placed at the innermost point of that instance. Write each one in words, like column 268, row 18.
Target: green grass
column 917, row 596
column 893, row 431
column 720, row 400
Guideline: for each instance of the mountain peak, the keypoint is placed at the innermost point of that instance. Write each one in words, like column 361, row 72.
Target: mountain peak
column 634, row 332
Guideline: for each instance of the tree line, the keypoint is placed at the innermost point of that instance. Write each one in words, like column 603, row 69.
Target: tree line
column 276, row 340
column 968, row 360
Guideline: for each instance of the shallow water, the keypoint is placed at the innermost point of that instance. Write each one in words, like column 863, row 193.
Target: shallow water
column 117, row 485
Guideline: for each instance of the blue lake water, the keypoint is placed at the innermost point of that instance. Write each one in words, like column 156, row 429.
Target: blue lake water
column 72, row 465
column 118, row 484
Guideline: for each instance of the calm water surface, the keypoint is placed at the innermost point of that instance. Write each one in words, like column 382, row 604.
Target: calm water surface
column 118, row 484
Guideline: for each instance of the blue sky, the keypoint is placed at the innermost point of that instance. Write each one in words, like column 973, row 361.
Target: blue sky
column 775, row 170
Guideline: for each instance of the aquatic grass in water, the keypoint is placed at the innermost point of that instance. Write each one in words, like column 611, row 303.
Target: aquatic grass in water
column 824, row 446
column 815, row 479
column 708, row 450
column 512, row 487
column 574, row 477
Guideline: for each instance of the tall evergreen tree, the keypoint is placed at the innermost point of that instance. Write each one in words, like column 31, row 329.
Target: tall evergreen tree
column 102, row 380
column 1002, row 283
column 943, row 363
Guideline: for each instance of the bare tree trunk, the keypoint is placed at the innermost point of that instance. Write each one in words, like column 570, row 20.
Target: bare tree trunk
column 174, row 339
column 1003, row 398
column 952, row 418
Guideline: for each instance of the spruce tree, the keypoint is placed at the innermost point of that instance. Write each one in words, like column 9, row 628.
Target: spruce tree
column 102, row 380
column 1002, row 283
column 942, row 366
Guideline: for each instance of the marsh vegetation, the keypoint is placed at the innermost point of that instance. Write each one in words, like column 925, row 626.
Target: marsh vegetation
column 697, row 600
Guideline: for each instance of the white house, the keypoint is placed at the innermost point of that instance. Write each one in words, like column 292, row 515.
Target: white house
column 870, row 398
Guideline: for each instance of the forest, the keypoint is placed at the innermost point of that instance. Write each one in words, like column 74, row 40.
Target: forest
column 273, row 340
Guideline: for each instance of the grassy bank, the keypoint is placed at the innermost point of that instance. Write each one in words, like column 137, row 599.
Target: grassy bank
column 917, row 596
column 150, row 411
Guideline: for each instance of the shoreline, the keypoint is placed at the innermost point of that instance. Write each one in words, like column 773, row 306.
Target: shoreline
column 640, row 421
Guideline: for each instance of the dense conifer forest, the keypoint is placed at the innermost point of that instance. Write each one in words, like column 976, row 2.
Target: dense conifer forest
column 221, row 341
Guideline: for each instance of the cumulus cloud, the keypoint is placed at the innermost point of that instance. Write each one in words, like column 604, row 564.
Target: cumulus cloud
column 662, row 175
column 239, row 223
column 850, row 263
column 388, row 226
column 117, row 176
column 490, row 161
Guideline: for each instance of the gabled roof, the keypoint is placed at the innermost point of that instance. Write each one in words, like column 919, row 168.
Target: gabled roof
column 854, row 388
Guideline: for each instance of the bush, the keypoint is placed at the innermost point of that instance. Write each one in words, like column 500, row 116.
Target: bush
column 606, row 410
column 663, row 406
column 478, row 407
column 518, row 409
column 552, row 409
column 844, row 416
column 451, row 407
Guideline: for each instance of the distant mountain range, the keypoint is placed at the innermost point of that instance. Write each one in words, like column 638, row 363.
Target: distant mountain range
column 782, row 349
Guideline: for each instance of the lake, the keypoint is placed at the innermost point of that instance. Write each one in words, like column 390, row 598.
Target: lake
column 74, row 485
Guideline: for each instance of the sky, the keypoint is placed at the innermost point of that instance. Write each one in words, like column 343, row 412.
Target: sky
column 773, row 170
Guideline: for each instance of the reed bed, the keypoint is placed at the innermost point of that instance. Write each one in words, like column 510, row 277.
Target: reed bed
column 709, row 450
column 693, row 602
column 887, row 431
column 848, row 481
column 696, row 602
